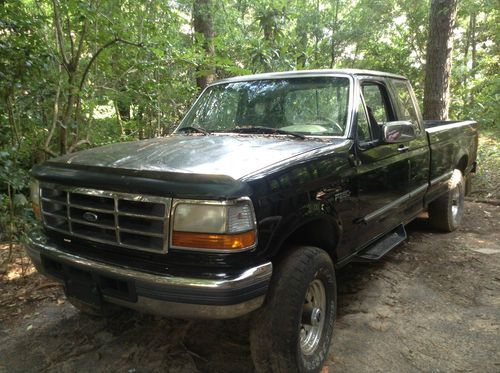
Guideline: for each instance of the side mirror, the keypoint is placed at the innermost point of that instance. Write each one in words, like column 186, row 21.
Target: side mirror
column 398, row 131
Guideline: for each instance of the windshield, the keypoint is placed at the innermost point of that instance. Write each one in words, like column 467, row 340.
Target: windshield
column 309, row 106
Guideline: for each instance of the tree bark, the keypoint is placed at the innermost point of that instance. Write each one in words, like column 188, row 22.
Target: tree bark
column 55, row 117
column 466, row 61
column 473, row 54
column 202, row 22
column 333, row 51
column 15, row 135
column 118, row 118
column 438, row 61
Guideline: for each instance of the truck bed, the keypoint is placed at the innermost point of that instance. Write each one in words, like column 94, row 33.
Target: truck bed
column 428, row 124
column 453, row 144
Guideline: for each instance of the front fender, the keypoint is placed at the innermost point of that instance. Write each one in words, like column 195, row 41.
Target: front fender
column 315, row 224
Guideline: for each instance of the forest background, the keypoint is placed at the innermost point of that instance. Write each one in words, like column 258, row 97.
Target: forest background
column 77, row 74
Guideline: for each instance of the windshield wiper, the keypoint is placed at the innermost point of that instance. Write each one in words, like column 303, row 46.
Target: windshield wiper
column 266, row 130
column 194, row 129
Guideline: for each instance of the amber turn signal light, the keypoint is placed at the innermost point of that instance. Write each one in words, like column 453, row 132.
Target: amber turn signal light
column 214, row 241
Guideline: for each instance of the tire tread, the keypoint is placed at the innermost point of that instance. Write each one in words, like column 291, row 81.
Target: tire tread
column 272, row 352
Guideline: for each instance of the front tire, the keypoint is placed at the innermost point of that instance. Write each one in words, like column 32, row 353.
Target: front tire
column 293, row 330
column 446, row 212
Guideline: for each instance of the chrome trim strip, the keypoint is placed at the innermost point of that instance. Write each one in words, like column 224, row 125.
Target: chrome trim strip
column 114, row 197
column 68, row 212
column 420, row 189
column 110, row 194
column 122, row 213
column 373, row 215
column 89, row 208
column 64, row 217
column 450, row 126
column 98, row 240
column 441, row 178
column 150, row 217
column 51, row 200
column 83, row 222
column 141, row 233
column 247, row 278
column 116, row 220
column 190, row 311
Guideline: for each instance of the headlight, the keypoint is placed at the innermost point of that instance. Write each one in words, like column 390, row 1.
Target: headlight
column 213, row 225
column 35, row 198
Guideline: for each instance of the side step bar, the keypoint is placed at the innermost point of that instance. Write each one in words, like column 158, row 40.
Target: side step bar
column 381, row 247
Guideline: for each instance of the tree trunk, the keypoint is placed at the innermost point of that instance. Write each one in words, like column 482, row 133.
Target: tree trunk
column 202, row 22
column 68, row 112
column 333, row 51
column 473, row 55
column 317, row 34
column 438, row 65
column 15, row 136
column 466, row 61
column 118, row 118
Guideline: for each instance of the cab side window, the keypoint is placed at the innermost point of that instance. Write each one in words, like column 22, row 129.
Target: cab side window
column 406, row 104
column 378, row 108
column 363, row 126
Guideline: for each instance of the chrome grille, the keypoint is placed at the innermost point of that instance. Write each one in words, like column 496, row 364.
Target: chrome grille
column 122, row 219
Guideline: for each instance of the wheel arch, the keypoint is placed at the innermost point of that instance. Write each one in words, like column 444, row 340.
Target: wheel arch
column 462, row 163
column 320, row 232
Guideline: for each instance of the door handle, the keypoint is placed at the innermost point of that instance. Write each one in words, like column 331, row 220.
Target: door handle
column 403, row 148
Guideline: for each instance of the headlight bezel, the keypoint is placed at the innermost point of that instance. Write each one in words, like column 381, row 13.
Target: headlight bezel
column 224, row 204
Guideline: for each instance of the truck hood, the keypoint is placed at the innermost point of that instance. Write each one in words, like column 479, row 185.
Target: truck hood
column 233, row 156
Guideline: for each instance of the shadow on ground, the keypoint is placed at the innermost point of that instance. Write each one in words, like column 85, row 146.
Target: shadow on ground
column 429, row 305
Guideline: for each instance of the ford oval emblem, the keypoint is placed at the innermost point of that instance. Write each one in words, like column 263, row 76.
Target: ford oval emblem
column 90, row 216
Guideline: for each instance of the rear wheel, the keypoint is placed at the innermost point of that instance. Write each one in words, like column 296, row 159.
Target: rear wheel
column 446, row 212
column 293, row 330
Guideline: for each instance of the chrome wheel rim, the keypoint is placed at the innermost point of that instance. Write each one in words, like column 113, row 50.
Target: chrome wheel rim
column 313, row 317
column 456, row 203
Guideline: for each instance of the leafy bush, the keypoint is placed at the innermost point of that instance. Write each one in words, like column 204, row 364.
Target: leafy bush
column 16, row 218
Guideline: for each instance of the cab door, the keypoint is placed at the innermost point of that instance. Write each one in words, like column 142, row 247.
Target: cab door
column 382, row 170
column 418, row 149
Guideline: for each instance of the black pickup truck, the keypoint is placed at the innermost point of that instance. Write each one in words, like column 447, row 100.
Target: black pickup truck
column 268, row 185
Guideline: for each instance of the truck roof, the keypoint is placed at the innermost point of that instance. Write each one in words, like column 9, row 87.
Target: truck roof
column 306, row 73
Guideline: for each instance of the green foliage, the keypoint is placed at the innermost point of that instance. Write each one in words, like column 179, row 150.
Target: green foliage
column 487, row 179
column 475, row 80
column 16, row 218
column 137, row 61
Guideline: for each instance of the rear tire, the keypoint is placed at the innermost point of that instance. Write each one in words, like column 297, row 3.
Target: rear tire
column 446, row 212
column 293, row 330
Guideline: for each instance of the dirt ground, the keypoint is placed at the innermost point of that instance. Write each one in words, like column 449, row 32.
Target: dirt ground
column 432, row 304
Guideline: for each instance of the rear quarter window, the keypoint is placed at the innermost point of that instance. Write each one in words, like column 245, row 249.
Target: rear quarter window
column 406, row 103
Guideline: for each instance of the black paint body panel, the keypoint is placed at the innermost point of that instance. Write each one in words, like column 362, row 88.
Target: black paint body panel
column 327, row 192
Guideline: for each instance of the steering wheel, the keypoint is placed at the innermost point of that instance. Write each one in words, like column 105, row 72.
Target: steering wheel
column 332, row 122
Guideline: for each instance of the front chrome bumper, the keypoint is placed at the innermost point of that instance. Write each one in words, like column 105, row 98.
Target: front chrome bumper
column 220, row 296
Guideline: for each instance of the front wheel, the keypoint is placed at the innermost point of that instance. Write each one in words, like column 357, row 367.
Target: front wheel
column 446, row 212
column 293, row 330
